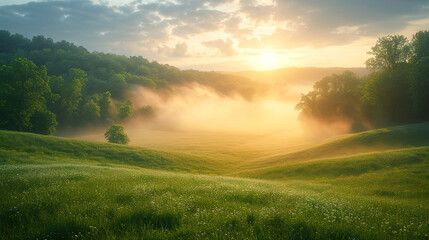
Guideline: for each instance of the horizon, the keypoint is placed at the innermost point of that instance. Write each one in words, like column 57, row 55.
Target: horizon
column 222, row 36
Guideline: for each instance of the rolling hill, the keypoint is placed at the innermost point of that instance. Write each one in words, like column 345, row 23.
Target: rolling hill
column 399, row 137
column 26, row 147
column 371, row 185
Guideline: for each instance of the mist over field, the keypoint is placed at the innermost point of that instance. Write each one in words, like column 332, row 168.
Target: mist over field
column 194, row 118
column 199, row 119
column 196, row 107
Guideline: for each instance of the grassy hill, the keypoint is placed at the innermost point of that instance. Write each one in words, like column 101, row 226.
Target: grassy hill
column 399, row 137
column 371, row 185
column 18, row 147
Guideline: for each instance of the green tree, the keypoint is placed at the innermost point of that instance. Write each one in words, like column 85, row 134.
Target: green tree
column 24, row 89
column 90, row 111
column 386, row 97
column 145, row 111
column 389, row 52
column 419, row 89
column 420, row 45
column 116, row 134
column 106, row 107
column 70, row 89
column 126, row 110
column 117, row 85
column 43, row 122
column 334, row 98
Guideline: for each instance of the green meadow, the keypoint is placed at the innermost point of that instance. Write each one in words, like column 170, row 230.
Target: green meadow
column 370, row 185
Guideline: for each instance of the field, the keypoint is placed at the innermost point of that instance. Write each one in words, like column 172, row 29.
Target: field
column 371, row 185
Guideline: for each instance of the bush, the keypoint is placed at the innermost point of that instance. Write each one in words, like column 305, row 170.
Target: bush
column 116, row 134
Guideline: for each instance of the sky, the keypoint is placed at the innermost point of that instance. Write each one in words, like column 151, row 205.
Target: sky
column 222, row 35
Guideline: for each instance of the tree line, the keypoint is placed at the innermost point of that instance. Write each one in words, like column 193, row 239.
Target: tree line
column 396, row 91
column 47, row 85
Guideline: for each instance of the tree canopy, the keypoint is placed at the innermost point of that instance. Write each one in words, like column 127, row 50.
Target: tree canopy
column 335, row 97
column 24, row 90
column 396, row 92
column 116, row 134
column 82, row 88
column 389, row 52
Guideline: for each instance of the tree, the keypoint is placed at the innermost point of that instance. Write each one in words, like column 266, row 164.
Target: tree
column 116, row 134
column 117, row 85
column 389, row 52
column 43, row 122
column 90, row 111
column 24, row 89
column 126, row 110
column 106, row 107
column 70, row 89
column 334, row 98
column 420, row 45
column 419, row 89
column 386, row 97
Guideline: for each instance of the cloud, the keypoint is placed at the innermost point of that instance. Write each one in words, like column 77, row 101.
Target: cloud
column 224, row 46
column 317, row 23
column 143, row 27
column 179, row 50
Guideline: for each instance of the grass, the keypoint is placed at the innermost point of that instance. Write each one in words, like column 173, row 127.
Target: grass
column 73, row 201
column 57, row 188
column 57, row 149
column 399, row 137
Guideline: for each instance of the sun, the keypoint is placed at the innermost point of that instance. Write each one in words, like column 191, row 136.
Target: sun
column 269, row 60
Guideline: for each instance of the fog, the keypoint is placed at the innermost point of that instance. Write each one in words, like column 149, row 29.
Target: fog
column 196, row 119
column 197, row 108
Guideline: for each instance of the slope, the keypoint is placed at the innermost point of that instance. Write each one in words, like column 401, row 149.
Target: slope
column 27, row 147
column 412, row 135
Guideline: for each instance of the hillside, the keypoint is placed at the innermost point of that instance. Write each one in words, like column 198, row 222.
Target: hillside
column 23, row 148
column 108, row 191
column 399, row 137
column 103, row 69
column 105, row 191
column 223, row 160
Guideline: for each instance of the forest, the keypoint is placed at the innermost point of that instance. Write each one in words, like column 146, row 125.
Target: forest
column 396, row 92
column 47, row 86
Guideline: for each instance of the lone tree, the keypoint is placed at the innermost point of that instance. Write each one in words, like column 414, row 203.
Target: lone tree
column 116, row 134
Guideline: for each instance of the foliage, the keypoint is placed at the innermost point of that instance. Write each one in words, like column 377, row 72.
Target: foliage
column 114, row 73
column 125, row 110
column 389, row 52
column 117, row 85
column 420, row 45
column 146, row 111
column 334, row 98
column 116, row 134
column 395, row 94
column 77, row 76
column 24, row 90
column 387, row 99
column 91, row 111
column 43, row 122
column 106, row 107
column 69, row 88
column 419, row 88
